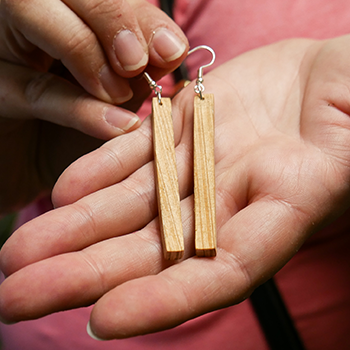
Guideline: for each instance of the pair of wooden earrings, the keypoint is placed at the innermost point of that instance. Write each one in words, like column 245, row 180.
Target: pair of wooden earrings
column 166, row 172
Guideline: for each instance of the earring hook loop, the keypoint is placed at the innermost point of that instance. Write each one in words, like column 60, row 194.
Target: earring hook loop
column 154, row 86
column 199, row 88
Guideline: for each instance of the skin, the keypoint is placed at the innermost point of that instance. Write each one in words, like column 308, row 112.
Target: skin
column 62, row 79
column 282, row 172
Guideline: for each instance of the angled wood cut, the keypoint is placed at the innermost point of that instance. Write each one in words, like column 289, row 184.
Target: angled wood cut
column 204, row 176
column 166, row 180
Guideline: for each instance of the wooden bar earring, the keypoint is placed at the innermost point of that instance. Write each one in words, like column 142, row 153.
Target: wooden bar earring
column 204, row 166
column 166, row 175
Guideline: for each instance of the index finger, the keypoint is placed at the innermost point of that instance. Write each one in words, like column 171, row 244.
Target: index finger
column 67, row 37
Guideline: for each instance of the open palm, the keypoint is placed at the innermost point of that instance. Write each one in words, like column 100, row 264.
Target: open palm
column 282, row 171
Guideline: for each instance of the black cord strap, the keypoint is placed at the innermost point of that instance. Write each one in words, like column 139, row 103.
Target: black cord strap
column 274, row 318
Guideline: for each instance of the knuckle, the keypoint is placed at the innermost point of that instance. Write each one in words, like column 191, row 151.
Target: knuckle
column 12, row 9
column 106, row 8
column 37, row 88
column 80, row 42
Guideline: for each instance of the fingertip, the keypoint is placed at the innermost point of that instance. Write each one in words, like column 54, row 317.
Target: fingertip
column 116, row 88
column 8, row 323
column 91, row 333
column 123, row 120
column 130, row 53
column 69, row 187
column 167, row 45
column 5, row 321
column 7, row 265
column 5, row 316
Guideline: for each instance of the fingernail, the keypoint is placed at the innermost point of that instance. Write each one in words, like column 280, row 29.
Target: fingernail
column 168, row 45
column 116, row 87
column 129, row 51
column 121, row 119
column 91, row 333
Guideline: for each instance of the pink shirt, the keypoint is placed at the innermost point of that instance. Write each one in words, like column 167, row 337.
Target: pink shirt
column 315, row 283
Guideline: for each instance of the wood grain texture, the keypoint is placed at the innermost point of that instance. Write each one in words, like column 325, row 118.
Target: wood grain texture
column 204, row 176
column 167, row 180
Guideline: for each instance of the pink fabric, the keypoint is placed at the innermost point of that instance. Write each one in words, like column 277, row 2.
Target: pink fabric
column 315, row 283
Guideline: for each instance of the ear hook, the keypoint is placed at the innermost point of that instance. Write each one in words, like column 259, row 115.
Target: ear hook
column 199, row 88
column 154, row 86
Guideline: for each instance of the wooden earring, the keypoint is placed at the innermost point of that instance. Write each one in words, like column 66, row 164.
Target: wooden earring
column 166, row 175
column 204, row 166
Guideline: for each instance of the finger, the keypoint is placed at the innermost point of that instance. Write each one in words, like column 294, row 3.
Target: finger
column 167, row 43
column 27, row 94
column 66, row 37
column 116, row 26
column 108, row 165
column 121, row 156
column 96, row 270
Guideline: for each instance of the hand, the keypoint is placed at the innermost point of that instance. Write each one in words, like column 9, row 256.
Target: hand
column 282, row 172
column 33, row 152
column 102, row 43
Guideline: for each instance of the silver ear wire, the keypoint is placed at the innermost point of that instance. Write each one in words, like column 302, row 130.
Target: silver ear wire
column 199, row 88
column 154, row 86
